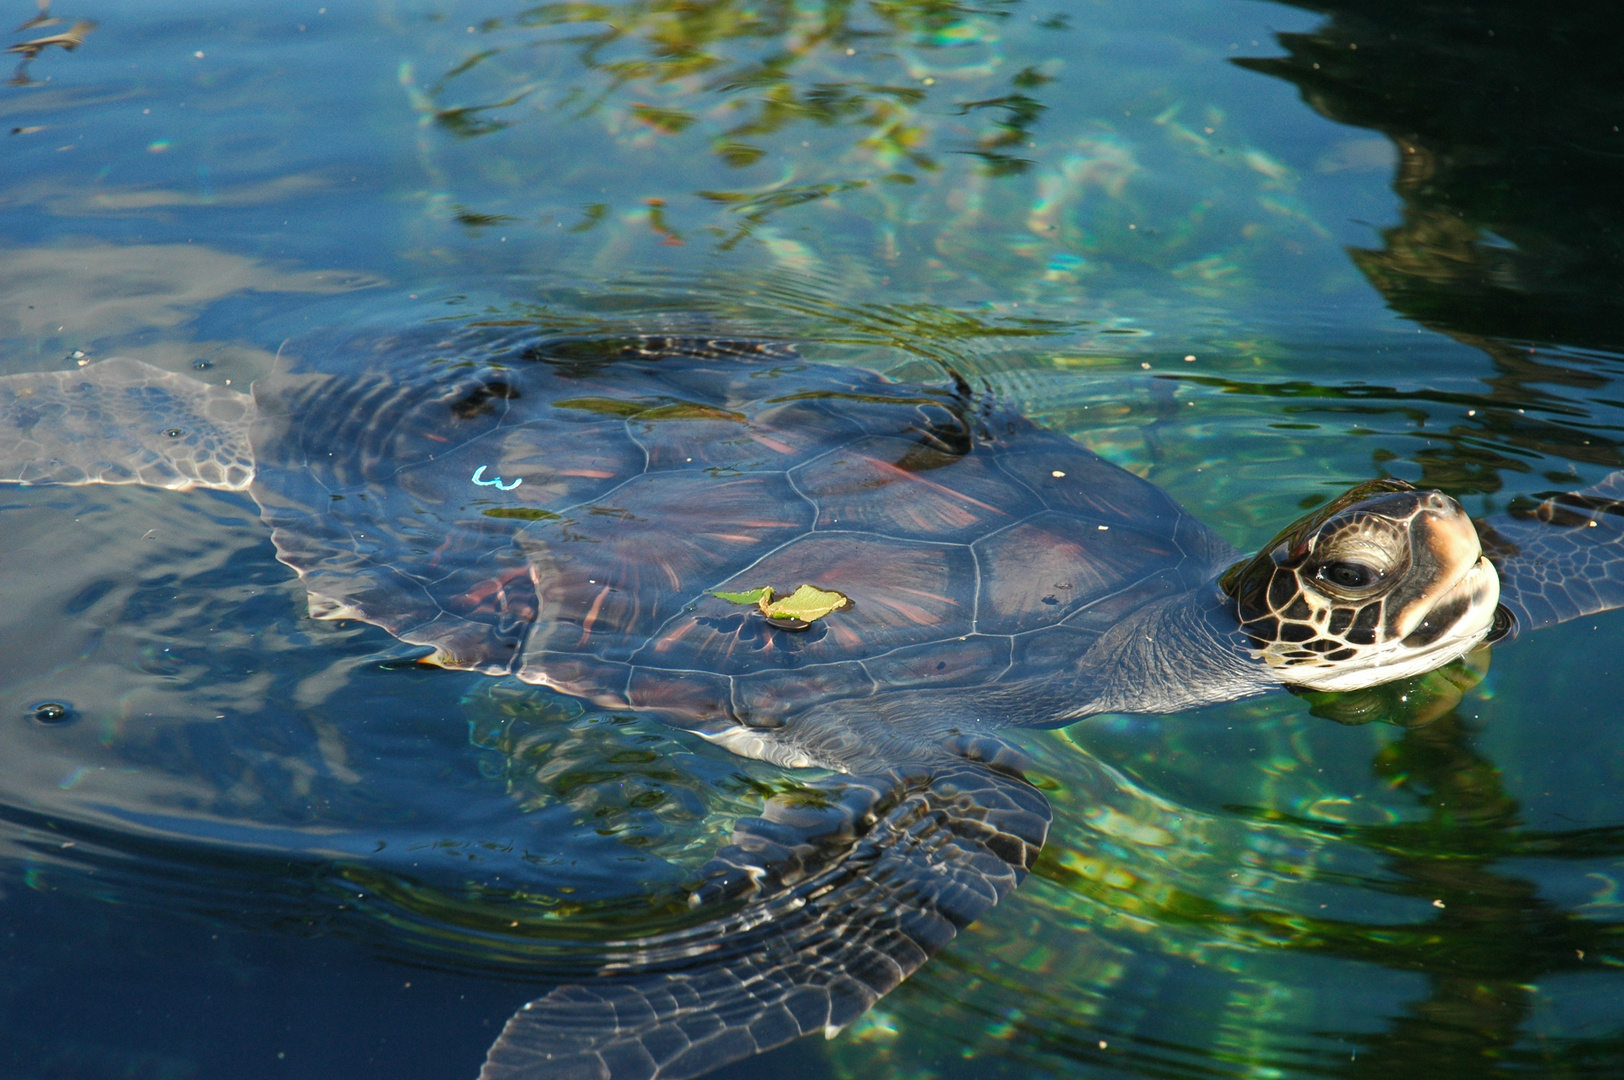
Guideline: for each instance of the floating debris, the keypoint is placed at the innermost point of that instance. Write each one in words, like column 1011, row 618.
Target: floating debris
column 69, row 40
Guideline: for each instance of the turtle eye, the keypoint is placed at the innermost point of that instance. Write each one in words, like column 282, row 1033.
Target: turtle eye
column 1350, row 575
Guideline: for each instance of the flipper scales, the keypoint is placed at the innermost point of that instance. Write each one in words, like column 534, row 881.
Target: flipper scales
column 850, row 894
column 123, row 421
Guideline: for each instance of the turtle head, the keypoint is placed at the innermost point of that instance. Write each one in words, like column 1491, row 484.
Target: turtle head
column 1382, row 583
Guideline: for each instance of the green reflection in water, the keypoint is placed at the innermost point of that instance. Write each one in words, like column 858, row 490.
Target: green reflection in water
column 1165, row 934
column 910, row 144
column 772, row 68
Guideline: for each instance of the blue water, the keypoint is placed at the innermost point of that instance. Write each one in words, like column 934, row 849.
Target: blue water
column 1254, row 252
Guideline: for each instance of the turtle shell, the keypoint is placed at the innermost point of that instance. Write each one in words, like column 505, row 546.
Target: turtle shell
column 566, row 510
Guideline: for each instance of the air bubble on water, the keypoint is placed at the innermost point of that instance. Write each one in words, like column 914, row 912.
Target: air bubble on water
column 52, row 712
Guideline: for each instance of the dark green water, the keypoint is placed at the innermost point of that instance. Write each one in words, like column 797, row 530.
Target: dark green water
column 1254, row 252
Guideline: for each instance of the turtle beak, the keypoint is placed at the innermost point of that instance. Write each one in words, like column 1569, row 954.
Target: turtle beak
column 1464, row 587
column 1450, row 534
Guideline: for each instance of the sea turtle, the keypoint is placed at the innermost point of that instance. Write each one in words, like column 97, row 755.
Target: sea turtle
column 566, row 511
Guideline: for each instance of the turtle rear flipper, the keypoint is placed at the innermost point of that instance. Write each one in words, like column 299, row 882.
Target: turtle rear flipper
column 123, row 421
column 1561, row 559
column 909, row 858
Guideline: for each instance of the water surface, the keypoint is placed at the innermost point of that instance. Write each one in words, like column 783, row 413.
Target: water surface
column 1254, row 252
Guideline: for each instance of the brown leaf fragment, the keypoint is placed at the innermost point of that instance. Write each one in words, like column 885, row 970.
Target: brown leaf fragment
column 69, row 39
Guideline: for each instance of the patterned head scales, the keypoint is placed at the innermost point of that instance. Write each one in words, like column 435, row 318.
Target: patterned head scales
column 1383, row 583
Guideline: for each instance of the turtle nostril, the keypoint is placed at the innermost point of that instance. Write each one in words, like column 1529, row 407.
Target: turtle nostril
column 1442, row 506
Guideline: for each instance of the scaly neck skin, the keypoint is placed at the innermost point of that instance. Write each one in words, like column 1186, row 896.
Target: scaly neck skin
column 1173, row 654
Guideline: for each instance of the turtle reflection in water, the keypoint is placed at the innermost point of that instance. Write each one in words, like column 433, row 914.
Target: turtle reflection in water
column 564, row 512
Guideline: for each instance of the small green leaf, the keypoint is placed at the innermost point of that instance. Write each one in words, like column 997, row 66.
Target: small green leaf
column 794, row 612
column 806, row 604
column 754, row 596
column 665, row 121
column 738, row 154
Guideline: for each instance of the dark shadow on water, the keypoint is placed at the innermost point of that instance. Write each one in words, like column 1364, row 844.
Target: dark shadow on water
column 1506, row 117
column 1507, row 120
column 104, row 991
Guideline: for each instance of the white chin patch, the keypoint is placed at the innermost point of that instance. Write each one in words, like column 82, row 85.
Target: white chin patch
column 1388, row 661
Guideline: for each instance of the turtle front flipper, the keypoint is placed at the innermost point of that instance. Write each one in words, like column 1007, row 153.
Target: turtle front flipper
column 123, row 421
column 1562, row 558
column 854, row 890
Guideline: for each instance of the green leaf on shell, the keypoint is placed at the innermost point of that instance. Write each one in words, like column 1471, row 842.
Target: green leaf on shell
column 805, row 604
column 796, row 611
column 754, row 596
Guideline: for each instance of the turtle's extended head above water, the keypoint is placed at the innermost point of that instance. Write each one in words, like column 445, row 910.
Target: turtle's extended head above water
column 1383, row 583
